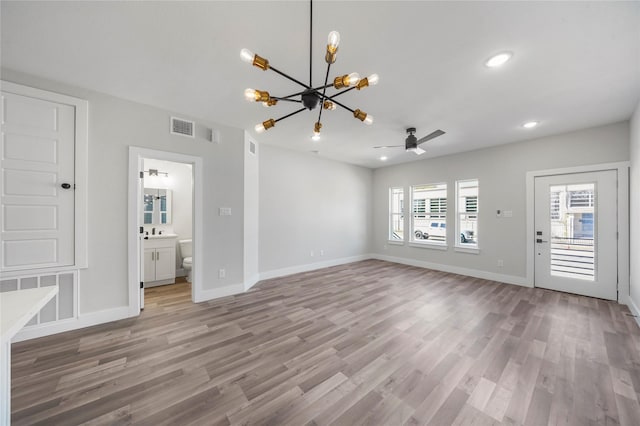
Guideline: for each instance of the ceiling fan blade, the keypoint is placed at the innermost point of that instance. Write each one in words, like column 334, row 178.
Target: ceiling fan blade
column 389, row 146
column 430, row 136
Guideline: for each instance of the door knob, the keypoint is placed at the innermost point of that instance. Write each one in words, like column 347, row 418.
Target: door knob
column 66, row 185
column 540, row 240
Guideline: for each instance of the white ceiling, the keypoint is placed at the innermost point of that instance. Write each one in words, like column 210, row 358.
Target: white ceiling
column 575, row 65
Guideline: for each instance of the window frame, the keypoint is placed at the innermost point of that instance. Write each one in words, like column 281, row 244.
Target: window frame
column 470, row 247
column 427, row 214
column 393, row 214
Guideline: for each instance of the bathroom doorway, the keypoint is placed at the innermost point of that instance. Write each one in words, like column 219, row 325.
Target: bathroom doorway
column 164, row 219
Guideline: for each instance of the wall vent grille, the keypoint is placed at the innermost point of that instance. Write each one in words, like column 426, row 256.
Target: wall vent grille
column 182, row 127
column 252, row 147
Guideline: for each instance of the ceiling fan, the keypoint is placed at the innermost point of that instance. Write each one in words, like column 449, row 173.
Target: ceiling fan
column 411, row 142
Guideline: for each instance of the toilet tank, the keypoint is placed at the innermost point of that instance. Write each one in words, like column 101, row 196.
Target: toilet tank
column 185, row 248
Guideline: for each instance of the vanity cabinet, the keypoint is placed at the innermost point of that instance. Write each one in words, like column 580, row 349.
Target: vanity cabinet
column 159, row 261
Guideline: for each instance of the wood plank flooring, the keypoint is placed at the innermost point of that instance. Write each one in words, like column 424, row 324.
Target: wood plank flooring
column 370, row 342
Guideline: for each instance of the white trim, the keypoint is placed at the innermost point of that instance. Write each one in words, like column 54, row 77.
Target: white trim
column 311, row 266
column 251, row 282
column 395, row 243
column 622, row 168
column 216, row 293
column 83, row 320
column 634, row 310
column 469, row 250
column 492, row 276
column 136, row 154
column 81, row 161
column 432, row 246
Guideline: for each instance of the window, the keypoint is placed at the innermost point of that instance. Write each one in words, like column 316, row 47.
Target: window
column 396, row 214
column 429, row 215
column 467, row 213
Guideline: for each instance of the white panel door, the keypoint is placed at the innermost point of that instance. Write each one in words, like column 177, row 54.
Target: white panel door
column 576, row 233
column 165, row 263
column 37, row 171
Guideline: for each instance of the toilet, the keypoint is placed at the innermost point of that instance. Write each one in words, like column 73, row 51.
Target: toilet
column 187, row 259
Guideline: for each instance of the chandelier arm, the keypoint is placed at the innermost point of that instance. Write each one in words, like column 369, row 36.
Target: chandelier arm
column 324, row 89
column 289, row 115
column 315, row 89
column 286, row 99
column 330, row 98
column 310, row 42
column 290, row 78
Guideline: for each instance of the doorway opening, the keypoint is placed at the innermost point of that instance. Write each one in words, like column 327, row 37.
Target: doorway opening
column 165, row 220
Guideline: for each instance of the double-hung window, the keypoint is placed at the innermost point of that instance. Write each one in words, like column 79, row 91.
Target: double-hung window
column 396, row 214
column 429, row 213
column 467, row 213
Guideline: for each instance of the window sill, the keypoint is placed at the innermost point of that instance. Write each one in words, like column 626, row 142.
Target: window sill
column 432, row 246
column 395, row 243
column 470, row 250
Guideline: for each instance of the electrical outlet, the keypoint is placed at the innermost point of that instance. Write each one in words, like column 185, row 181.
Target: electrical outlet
column 500, row 263
column 222, row 273
column 224, row 211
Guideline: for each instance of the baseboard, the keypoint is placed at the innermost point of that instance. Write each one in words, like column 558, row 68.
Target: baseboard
column 634, row 310
column 251, row 282
column 216, row 293
column 83, row 320
column 311, row 266
column 503, row 278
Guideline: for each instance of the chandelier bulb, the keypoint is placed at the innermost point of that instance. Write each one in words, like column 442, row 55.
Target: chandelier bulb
column 259, row 128
column 368, row 120
column 329, row 105
column 265, row 125
column 333, row 40
column 352, row 79
column 315, row 137
column 247, row 56
column 250, row 95
column 373, row 79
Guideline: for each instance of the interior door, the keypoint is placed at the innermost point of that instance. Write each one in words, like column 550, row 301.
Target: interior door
column 576, row 233
column 37, row 167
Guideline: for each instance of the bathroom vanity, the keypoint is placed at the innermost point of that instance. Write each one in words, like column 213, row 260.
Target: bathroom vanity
column 159, row 260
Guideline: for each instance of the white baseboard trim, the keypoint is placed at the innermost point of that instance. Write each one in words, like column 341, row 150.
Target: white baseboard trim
column 311, row 266
column 634, row 310
column 251, row 282
column 508, row 279
column 83, row 320
column 216, row 293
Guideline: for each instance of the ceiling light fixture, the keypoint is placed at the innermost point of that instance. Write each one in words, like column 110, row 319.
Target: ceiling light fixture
column 530, row 124
column 498, row 60
column 311, row 96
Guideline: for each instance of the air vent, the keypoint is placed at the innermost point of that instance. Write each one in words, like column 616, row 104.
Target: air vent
column 252, row 147
column 182, row 127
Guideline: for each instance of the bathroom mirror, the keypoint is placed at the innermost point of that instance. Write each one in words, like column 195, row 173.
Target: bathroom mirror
column 156, row 206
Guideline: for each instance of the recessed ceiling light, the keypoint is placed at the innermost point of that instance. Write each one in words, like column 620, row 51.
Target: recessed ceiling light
column 530, row 124
column 383, row 158
column 498, row 60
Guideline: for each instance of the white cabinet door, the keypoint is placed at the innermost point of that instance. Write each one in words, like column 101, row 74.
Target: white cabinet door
column 165, row 263
column 37, row 168
column 149, row 265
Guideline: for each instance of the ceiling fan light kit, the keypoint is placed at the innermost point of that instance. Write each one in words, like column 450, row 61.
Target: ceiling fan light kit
column 311, row 96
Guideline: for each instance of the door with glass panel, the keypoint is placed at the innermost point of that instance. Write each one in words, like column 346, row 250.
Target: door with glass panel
column 576, row 233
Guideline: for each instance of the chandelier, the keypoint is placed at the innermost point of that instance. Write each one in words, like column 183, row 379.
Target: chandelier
column 310, row 97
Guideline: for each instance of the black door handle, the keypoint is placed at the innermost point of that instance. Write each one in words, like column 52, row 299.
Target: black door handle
column 66, row 185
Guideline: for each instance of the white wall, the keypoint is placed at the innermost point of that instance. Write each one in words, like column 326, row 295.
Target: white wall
column 501, row 172
column 311, row 204
column 114, row 125
column 634, row 189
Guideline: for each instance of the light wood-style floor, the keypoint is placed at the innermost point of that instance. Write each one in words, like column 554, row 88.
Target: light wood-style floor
column 366, row 343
